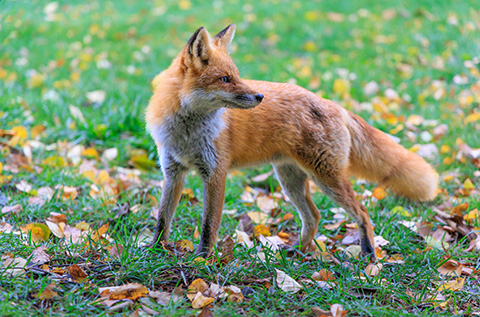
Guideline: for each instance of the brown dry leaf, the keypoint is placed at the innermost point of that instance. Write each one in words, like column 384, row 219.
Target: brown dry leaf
column 453, row 285
column 39, row 255
column 12, row 209
column 130, row 291
column 373, row 269
column 116, row 250
column 57, row 217
column 459, row 209
column 286, row 283
column 396, row 258
column 47, row 293
column 205, row 313
column 450, row 268
column 261, row 230
column 201, row 301
column 323, row 275
column 100, row 232
column 195, row 287
column 77, row 273
column 227, row 250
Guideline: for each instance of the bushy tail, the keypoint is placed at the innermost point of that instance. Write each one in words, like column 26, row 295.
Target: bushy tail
column 376, row 157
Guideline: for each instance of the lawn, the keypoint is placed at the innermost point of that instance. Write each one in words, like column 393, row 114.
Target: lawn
column 79, row 181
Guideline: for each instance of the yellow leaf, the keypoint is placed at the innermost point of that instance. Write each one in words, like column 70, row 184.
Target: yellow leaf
column 37, row 130
column 201, row 301
column 445, row 149
column 472, row 216
column 309, row 46
column 468, row 184
column 54, row 161
column 90, row 175
column 19, row 136
column 311, row 15
column 453, row 285
column 184, row 4
column 472, row 117
column 397, row 129
column 261, row 230
column 103, row 178
column 36, row 80
column 90, row 152
column 341, row 86
column 402, row 211
column 39, row 231
column 196, row 286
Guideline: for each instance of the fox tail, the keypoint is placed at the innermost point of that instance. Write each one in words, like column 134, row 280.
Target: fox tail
column 377, row 158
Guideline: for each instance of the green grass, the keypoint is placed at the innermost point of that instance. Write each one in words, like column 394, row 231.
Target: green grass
column 414, row 51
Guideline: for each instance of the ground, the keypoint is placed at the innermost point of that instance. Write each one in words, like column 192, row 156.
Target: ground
column 79, row 181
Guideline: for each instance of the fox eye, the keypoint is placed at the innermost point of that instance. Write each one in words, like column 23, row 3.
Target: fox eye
column 225, row 79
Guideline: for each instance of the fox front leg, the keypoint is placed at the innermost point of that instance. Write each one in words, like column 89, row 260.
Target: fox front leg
column 174, row 174
column 214, row 194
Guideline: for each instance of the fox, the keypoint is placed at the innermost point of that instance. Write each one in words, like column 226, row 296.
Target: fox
column 204, row 116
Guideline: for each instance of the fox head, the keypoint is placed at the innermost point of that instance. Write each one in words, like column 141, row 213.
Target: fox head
column 211, row 79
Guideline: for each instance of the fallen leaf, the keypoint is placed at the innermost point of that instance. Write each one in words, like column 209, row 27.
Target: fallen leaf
column 47, row 293
column 227, row 250
column 38, row 231
column 195, row 287
column 261, row 230
column 201, row 301
column 373, row 269
column 77, row 273
column 286, row 283
column 14, row 266
column 130, row 291
column 450, row 268
column 323, row 275
column 39, row 256
column 15, row 209
column 453, row 285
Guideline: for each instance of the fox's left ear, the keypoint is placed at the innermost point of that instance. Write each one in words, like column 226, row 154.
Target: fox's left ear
column 225, row 37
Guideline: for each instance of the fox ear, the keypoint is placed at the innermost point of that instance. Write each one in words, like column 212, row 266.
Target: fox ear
column 225, row 37
column 199, row 47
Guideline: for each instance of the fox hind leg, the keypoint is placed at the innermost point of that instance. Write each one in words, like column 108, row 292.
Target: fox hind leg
column 340, row 190
column 294, row 182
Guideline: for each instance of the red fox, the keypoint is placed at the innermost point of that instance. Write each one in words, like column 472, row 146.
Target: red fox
column 202, row 115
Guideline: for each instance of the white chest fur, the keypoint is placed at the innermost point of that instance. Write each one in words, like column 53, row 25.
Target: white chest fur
column 189, row 137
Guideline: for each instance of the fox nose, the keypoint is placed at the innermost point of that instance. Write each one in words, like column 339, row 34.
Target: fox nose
column 259, row 97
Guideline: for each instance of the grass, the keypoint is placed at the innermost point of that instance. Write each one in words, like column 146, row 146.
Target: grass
column 417, row 48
